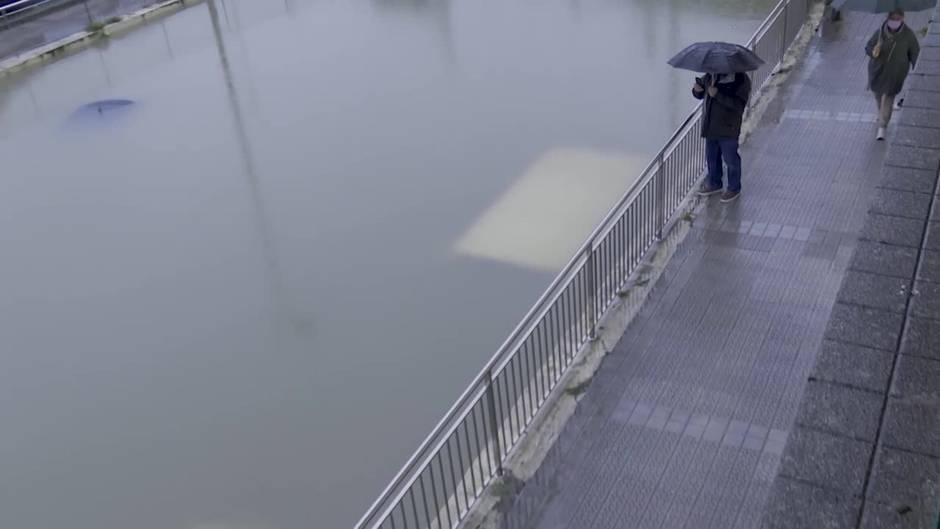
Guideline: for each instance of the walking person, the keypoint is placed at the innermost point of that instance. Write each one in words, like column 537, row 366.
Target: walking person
column 726, row 97
column 892, row 52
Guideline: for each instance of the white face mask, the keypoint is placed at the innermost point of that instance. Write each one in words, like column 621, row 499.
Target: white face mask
column 895, row 25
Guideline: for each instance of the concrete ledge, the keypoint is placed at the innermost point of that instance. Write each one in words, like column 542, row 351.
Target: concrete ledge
column 873, row 290
column 904, row 479
column 932, row 241
column 902, row 203
column 826, row 460
column 919, row 136
column 904, row 179
column 840, row 410
column 893, row 230
column 884, row 259
column 881, row 516
column 83, row 39
column 853, row 365
column 921, row 338
column 864, row 326
column 918, row 81
column 913, row 426
column 794, row 504
column 929, row 267
column 925, row 302
column 918, row 98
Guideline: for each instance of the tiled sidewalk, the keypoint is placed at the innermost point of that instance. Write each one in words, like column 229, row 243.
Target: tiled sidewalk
column 686, row 420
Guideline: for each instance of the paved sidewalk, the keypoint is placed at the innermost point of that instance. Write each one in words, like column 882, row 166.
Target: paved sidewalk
column 686, row 420
column 865, row 451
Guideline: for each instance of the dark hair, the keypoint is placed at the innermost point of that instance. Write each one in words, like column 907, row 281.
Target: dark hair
column 896, row 12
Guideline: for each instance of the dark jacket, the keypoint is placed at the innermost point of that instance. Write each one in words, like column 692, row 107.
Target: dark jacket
column 723, row 113
column 899, row 51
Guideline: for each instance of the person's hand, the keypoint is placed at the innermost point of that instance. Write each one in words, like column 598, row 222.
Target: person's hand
column 697, row 88
column 712, row 91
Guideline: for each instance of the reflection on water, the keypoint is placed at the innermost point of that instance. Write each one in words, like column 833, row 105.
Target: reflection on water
column 245, row 303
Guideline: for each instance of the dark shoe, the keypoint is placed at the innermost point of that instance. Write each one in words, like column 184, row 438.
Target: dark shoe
column 730, row 196
column 707, row 190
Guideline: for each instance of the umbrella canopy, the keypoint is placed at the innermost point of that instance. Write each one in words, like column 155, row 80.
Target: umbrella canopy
column 883, row 6
column 716, row 57
column 104, row 111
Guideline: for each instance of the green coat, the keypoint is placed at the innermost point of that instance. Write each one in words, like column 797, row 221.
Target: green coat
column 899, row 51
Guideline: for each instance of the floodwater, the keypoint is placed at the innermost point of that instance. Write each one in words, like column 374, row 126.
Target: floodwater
column 241, row 300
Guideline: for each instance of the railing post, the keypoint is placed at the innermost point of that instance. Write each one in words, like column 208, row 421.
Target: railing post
column 784, row 41
column 659, row 186
column 496, row 452
column 592, row 292
column 87, row 11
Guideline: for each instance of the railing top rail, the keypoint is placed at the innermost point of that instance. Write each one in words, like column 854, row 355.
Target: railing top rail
column 20, row 5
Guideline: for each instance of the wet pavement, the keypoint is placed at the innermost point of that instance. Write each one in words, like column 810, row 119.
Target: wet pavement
column 865, row 451
column 686, row 420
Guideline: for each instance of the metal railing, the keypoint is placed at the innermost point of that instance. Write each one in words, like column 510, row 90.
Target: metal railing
column 441, row 482
column 22, row 10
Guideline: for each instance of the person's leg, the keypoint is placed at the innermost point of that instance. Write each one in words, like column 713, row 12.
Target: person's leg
column 881, row 105
column 887, row 108
column 729, row 151
column 713, row 158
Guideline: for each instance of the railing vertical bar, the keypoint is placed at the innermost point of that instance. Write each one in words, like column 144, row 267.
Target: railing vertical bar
column 547, row 352
column 560, row 363
column 539, row 372
column 480, row 444
column 516, row 396
column 424, row 500
column 565, row 325
column 440, row 470
column 579, row 306
column 500, row 410
column 591, row 291
column 486, row 440
column 437, row 504
column 471, row 496
column 543, row 354
column 530, row 380
column 634, row 231
column 571, row 324
column 609, row 242
column 414, row 509
column 497, row 451
column 453, row 476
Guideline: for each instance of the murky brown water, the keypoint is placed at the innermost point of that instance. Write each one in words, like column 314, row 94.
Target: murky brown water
column 241, row 302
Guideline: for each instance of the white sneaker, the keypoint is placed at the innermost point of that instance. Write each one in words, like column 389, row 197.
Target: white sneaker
column 881, row 134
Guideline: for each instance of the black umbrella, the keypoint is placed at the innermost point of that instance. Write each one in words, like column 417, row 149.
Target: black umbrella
column 716, row 57
column 883, row 6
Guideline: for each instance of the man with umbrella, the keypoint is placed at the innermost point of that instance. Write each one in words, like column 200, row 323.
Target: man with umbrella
column 725, row 89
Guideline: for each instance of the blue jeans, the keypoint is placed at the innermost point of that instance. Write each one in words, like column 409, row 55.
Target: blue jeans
column 727, row 150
